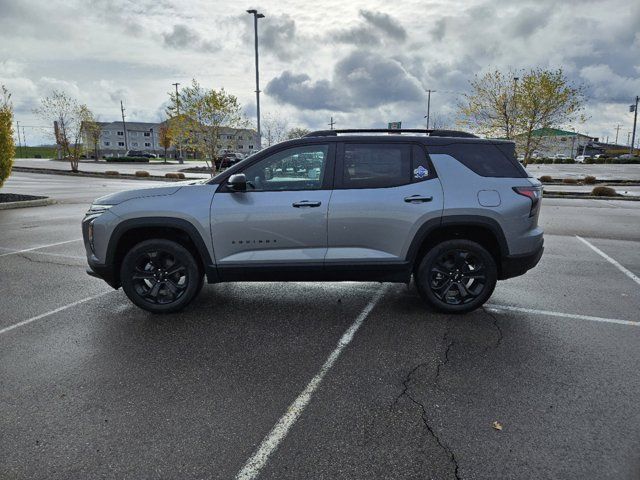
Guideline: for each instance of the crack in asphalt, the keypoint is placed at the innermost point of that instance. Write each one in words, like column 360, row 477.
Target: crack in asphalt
column 406, row 383
column 444, row 361
column 498, row 329
column 22, row 255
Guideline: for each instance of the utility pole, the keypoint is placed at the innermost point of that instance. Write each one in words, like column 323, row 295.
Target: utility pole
column 256, row 16
column 515, row 108
column 332, row 123
column 617, row 130
column 634, row 108
column 19, row 142
column 124, row 127
column 427, row 116
column 24, row 138
column 179, row 147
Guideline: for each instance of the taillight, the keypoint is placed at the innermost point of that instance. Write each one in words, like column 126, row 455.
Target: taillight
column 533, row 194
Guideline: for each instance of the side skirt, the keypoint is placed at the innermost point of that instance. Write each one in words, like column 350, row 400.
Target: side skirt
column 376, row 272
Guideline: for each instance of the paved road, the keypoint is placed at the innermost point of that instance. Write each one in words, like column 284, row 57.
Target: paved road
column 101, row 389
column 154, row 167
column 603, row 172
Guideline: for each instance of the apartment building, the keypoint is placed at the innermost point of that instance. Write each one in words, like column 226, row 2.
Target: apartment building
column 117, row 138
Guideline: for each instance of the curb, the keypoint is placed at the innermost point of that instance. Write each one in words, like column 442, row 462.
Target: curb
column 41, row 202
column 126, row 176
column 589, row 197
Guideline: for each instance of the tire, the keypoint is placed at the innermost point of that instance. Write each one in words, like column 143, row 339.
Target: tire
column 160, row 276
column 456, row 276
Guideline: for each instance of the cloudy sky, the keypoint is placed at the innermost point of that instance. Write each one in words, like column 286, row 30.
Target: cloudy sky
column 363, row 62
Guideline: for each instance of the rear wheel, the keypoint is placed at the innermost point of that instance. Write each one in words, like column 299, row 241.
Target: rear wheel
column 456, row 276
column 160, row 276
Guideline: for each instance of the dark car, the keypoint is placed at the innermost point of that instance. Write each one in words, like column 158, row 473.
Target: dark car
column 140, row 154
column 228, row 159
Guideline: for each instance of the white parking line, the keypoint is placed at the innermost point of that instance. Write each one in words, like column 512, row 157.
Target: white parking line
column 628, row 273
column 270, row 443
column 38, row 248
column 533, row 311
column 51, row 312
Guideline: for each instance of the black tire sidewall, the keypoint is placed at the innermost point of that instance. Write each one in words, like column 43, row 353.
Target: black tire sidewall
column 195, row 276
column 422, row 275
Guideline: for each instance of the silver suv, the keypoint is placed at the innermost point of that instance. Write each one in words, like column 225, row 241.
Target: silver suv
column 454, row 211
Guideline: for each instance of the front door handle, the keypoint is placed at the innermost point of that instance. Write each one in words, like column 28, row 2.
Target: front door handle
column 306, row 203
column 417, row 199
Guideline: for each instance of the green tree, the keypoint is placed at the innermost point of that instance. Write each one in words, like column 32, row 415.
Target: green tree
column 68, row 117
column 297, row 132
column 7, row 145
column 501, row 106
column 91, row 131
column 165, row 138
column 203, row 116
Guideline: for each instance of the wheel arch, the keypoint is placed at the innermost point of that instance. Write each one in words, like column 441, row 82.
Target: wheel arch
column 483, row 230
column 133, row 231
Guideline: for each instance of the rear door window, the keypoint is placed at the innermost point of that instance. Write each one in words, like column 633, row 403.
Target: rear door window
column 375, row 165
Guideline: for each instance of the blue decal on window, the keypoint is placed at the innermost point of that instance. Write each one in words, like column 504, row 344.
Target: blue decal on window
column 420, row 172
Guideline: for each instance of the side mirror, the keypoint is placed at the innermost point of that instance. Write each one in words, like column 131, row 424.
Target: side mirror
column 237, row 182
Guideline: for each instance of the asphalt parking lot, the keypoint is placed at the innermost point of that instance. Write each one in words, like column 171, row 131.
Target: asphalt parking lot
column 311, row 380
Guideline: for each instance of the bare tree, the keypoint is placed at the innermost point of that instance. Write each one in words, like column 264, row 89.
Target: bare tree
column 274, row 129
column 68, row 117
column 297, row 132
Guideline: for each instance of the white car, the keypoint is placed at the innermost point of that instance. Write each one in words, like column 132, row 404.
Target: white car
column 582, row 158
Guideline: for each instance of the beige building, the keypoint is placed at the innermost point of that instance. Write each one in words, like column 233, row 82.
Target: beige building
column 116, row 139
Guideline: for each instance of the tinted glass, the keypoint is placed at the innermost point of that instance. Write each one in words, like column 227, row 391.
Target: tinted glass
column 420, row 168
column 298, row 168
column 484, row 159
column 375, row 165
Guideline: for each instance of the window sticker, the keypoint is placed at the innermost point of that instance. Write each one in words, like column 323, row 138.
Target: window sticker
column 420, row 172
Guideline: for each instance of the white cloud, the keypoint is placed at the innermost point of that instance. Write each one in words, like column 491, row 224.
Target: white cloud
column 339, row 55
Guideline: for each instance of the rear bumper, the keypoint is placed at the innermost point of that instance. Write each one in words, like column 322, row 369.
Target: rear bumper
column 516, row 265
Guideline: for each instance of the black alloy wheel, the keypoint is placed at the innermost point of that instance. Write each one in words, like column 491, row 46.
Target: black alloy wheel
column 456, row 276
column 160, row 276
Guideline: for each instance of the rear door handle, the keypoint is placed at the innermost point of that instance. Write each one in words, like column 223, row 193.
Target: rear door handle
column 306, row 203
column 417, row 199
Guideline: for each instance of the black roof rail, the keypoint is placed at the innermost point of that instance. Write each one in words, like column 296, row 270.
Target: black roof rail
column 431, row 133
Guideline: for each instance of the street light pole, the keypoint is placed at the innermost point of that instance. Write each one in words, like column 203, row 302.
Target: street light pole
column 256, row 16
column 178, row 146
column 634, row 108
column 427, row 116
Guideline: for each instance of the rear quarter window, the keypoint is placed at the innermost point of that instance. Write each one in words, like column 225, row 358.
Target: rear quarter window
column 485, row 159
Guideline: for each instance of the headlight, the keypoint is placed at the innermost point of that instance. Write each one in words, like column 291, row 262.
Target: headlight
column 98, row 209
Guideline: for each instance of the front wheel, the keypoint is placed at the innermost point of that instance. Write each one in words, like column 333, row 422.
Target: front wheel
column 160, row 276
column 456, row 276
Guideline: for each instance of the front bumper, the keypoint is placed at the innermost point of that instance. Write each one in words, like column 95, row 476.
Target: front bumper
column 108, row 273
column 516, row 265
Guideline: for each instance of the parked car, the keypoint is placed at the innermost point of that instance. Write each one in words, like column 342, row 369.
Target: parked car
column 560, row 156
column 140, row 154
column 626, row 156
column 228, row 159
column 453, row 211
column 582, row 158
